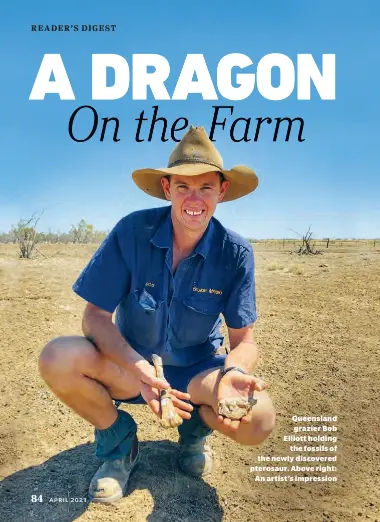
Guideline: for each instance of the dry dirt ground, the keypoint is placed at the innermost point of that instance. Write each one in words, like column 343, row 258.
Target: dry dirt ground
column 319, row 332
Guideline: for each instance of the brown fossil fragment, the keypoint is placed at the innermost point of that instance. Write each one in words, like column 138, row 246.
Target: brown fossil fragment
column 169, row 417
column 235, row 407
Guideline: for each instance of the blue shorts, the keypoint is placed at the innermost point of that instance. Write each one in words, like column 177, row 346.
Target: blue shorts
column 179, row 377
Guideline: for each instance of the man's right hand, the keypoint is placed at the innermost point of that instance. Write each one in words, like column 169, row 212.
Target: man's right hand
column 150, row 387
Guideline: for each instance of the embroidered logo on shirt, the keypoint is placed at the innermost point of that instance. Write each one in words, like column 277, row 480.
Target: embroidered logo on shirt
column 213, row 291
column 150, row 284
column 204, row 290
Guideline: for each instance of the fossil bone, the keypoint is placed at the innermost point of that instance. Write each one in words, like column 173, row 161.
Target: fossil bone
column 169, row 417
column 235, row 407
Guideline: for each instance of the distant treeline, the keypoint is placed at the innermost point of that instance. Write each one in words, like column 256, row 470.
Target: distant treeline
column 83, row 232
column 325, row 242
column 319, row 240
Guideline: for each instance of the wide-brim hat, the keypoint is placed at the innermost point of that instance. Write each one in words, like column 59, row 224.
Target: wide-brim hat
column 196, row 154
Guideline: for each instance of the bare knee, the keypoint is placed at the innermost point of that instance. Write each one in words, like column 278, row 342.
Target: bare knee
column 262, row 424
column 67, row 356
column 262, row 427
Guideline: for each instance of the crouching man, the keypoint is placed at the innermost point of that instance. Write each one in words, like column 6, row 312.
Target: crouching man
column 169, row 272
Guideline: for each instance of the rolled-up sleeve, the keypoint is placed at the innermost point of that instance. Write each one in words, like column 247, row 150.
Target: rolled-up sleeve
column 106, row 279
column 240, row 310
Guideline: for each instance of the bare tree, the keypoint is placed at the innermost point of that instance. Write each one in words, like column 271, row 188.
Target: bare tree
column 306, row 248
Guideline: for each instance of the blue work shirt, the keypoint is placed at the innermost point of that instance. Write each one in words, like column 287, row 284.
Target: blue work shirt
column 174, row 315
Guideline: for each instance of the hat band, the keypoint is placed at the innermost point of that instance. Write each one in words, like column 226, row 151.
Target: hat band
column 193, row 160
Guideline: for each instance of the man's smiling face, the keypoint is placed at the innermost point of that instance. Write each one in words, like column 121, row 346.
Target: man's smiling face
column 194, row 198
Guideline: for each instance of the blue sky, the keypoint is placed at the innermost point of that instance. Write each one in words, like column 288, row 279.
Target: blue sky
column 330, row 181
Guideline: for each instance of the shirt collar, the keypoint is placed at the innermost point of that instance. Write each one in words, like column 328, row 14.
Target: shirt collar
column 204, row 244
column 163, row 238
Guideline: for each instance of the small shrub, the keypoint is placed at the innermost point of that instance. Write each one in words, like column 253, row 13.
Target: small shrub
column 83, row 232
column 26, row 236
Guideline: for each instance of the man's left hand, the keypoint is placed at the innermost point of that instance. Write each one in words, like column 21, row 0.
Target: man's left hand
column 235, row 384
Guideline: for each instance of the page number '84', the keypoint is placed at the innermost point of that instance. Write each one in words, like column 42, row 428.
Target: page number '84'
column 36, row 498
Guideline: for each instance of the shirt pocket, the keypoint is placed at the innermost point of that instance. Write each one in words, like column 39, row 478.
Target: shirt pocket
column 197, row 318
column 144, row 318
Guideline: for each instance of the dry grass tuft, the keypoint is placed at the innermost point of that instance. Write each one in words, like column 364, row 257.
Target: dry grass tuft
column 275, row 266
column 295, row 269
